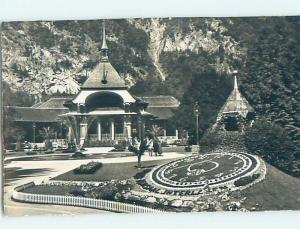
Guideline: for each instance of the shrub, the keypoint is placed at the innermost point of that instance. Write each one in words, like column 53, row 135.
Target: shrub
column 103, row 143
column 141, row 174
column 272, row 143
column 48, row 144
column 121, row 146
column 188, row 149
column 88, row 168
column 48, row 152
column 42, row 36
column 78, row 155
column 108, row 192
column 77, row 193
column 112, row 190
column 71, row 148
column 66, row 64
column 19, row 146
column 164, row 144
column 210, row 141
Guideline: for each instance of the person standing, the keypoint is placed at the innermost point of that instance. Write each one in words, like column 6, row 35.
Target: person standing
column 143, row 147
column 150, row 146
column 136, row 145
column 157, row 147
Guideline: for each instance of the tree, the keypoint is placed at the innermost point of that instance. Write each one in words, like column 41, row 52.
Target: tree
column 19, row 137
column 48, row 133
column 155, row 131
column 210, row 90
column 13, row 98
column 272, row 143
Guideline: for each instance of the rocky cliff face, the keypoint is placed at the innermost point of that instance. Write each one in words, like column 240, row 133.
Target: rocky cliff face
column 189, row 58
column 210, row 39
column 56, row 57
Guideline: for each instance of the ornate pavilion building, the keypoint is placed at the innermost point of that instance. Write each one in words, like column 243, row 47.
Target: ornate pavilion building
column 103, row 110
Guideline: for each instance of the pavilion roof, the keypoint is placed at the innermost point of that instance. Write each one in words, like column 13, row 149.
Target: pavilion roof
column 162, row 107
column 104, row 70
column 160, row 101
column 55, row 103
column 104, row 75
column 161, row 113
column 30, row 114
column 101, row 112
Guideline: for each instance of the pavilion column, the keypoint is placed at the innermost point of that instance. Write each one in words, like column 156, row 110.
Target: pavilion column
column 143, row 129
column 165, row 129
column 139, row 121
column 99, row 130
column 176, row 134
column 165, row 132
column 112, row 129
column 69, row 133
column 83, row 131
column 127, row 128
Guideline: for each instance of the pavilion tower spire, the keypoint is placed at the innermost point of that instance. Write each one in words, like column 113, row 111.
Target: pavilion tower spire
column 235, row 86
column 104, row 47
column 235, row 83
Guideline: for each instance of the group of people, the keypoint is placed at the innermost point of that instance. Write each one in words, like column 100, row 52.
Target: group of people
column 151, row 144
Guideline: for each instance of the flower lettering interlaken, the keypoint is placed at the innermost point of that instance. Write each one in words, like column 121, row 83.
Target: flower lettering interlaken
column 202, row 171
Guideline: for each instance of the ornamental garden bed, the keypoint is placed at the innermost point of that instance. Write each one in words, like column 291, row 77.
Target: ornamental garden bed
column 105, row 190
column 88, row 168
column 113, row 191
column 217, row 198
column 110, row 171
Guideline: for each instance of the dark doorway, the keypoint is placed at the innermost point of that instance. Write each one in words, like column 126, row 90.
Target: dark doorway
column 103, row 100
column 231, row 124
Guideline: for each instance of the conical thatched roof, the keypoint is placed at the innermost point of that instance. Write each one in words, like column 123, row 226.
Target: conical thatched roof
column 236, row 103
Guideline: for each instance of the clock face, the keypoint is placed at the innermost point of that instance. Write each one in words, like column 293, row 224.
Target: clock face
column 214, row 169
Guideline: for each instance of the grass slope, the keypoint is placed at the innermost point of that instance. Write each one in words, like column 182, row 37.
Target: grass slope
column 279, row 191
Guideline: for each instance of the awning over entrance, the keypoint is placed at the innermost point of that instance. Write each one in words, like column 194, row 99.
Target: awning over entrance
column 83, row 94
column 100, row 113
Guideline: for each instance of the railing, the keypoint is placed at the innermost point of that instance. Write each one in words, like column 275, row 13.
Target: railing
column 106, row 137
column 119, row 137
column 78, row 201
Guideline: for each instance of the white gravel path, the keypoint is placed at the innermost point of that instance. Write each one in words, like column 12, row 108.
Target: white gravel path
column 52, row 169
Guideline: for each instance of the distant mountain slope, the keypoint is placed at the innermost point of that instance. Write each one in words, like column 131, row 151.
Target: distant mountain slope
column 189, row 58
column 50, row 57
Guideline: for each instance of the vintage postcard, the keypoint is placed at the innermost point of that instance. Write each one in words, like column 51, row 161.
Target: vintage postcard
column 151, row 115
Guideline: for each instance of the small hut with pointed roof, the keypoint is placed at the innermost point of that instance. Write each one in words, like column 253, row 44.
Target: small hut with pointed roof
column 235, row 113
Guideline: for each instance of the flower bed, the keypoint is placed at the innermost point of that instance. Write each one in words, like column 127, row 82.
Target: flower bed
column 102, row 190
column 88, row 168
column 246, row 180
column 197, row 172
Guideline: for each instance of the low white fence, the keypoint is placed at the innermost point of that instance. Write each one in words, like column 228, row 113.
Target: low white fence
column 78, row 201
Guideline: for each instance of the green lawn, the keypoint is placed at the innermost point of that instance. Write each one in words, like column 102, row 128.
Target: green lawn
column 279, row 191
column 110, row 171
